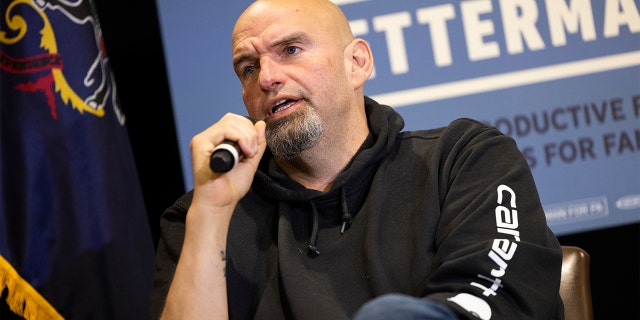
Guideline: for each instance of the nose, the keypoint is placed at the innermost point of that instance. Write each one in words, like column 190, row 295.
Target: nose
column 270, row 76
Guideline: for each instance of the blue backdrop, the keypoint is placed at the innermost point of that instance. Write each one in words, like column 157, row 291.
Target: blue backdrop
column 561, row 77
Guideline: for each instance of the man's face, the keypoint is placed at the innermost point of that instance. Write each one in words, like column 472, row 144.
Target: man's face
column 290, row 59
column 287, row 57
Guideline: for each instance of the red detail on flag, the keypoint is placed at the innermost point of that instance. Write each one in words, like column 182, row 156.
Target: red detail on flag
column 44, row 84
column 41, row 62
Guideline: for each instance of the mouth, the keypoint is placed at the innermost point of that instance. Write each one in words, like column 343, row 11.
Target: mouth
column 282, row 105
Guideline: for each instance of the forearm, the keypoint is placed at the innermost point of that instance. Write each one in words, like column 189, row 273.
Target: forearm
column 198, row 288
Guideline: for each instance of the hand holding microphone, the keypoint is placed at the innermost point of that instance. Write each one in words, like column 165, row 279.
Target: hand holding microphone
column 226, row 155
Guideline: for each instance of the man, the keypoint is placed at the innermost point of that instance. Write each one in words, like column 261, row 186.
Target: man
column 343, row 215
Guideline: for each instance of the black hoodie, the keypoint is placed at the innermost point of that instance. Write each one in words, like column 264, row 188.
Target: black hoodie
column 449, row 214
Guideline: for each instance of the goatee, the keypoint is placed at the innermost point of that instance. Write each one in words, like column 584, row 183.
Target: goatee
column 287, row 137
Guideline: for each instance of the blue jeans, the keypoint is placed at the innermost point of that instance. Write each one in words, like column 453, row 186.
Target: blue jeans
column 404, row 307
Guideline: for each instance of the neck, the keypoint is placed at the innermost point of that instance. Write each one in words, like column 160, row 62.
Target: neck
column 318, row 167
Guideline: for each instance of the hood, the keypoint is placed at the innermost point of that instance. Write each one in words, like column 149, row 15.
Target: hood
column 272, row 183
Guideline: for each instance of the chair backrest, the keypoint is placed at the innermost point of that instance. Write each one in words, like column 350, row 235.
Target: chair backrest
column 575, row 284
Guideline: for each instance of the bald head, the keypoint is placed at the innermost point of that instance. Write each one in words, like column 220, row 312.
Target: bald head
column 323, row 15
column 302, row 70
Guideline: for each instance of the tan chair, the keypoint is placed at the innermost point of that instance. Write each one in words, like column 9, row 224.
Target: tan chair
column 575, row 284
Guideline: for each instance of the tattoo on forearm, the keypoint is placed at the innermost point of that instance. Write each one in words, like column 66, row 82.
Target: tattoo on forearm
column 223, row 257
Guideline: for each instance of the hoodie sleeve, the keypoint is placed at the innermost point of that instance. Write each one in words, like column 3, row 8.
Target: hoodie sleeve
column 172, row 224
column 492, row 237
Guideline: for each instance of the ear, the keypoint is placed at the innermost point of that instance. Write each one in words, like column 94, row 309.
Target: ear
column 361, row 62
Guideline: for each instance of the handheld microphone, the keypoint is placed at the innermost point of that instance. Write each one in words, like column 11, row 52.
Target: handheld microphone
column 226, row 155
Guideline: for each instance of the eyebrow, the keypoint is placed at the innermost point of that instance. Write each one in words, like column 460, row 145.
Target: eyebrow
column 291, row 38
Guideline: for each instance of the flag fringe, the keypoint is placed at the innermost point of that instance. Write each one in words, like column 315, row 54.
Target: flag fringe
column 22, row 298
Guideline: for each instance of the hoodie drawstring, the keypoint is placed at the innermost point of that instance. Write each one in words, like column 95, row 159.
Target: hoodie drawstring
column 346, row 216
column 346, row 222
column 313, row 239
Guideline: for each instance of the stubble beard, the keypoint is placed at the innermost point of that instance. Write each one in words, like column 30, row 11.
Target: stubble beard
column 289, row 136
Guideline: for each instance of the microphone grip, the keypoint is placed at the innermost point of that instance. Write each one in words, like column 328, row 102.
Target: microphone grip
column 225, row 156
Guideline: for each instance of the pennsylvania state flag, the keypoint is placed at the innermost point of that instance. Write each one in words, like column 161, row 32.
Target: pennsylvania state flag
column 75, row 242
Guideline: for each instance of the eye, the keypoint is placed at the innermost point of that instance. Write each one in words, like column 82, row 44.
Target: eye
column 248, row 70
column 291, row 50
